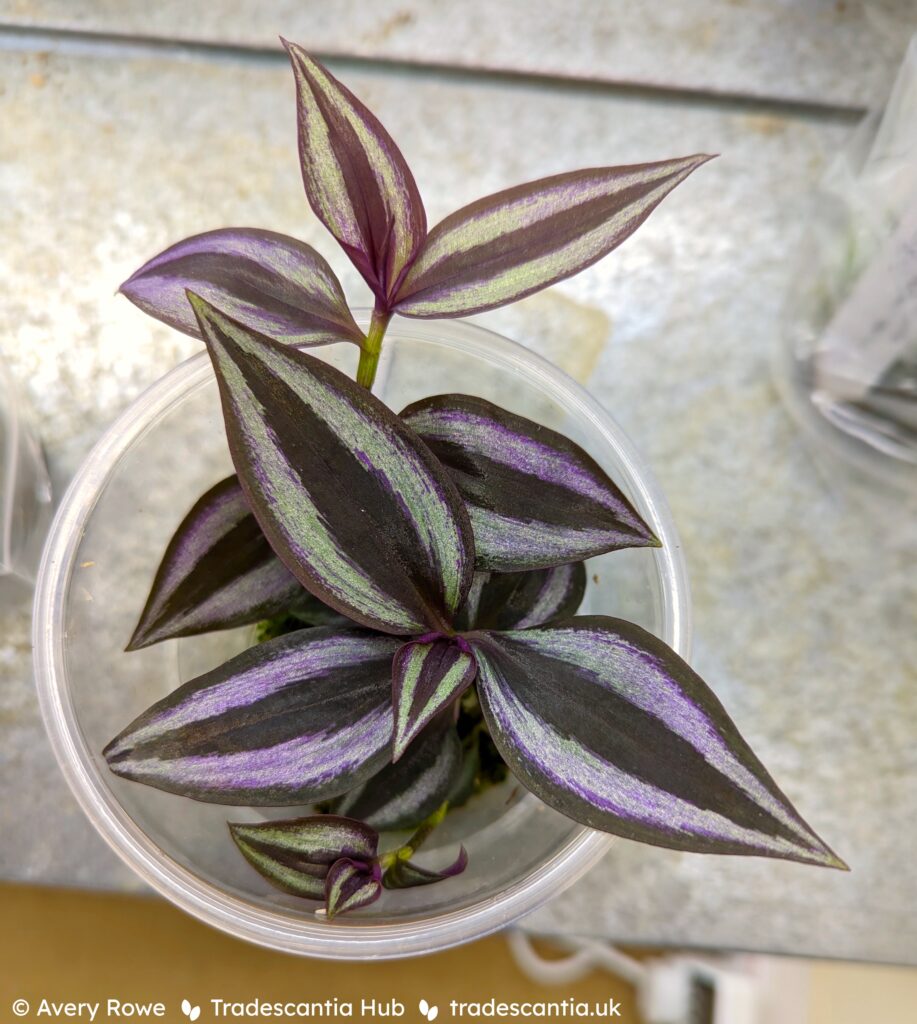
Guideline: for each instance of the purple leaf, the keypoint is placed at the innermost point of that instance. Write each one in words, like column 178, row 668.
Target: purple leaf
column 605, row 723
column 303, row 717
column 405, row 793
column 295, row 855
column 404, row 874
column 519, row 600
column 427, row 675
column 506, row 246
column 218, row 572
column 356, row 179
column 352, row 502
column 351, row 885
column 535, row 498
column 267, row 281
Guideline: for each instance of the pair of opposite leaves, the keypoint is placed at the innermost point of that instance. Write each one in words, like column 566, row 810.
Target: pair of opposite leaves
column 490, row 253
column 661, row 762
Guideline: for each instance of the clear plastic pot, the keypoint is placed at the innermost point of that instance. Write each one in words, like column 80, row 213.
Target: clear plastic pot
column 105, row 545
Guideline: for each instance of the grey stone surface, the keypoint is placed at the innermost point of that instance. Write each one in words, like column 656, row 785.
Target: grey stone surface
column 803, row 596
column 816, row 51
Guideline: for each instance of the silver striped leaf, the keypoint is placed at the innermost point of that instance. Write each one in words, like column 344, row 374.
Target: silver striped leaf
column 352, row 502
column 605, row 723
column 304, row 717
column 506, row 246
column 535, row 498
column 269, row 282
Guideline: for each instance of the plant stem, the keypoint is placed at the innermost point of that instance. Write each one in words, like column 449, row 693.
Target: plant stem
column 370, row 349
column 407, row 851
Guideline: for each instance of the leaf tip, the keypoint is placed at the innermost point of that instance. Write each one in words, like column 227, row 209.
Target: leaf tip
column 295, row 52
column 114, row 753
column 143, row 636
column 820, row 854
column 203, row 312
column 827, row 858
column 691, row 163
column 199, row 304
column 238, row 833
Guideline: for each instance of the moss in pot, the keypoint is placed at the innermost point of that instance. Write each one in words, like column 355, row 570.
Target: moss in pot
column 415, row 574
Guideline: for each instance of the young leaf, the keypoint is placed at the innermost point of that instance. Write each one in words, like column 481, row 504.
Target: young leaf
column 295, row 855
column 350, row 885
column 304, row 717
column 513, row 243
column 405, row 793
column 605, row 723
column 535, row 498
column 519, row 600
column 218, row 572
column 352, row 502
column 356, row 179
column 403, row 874
column 268, row 282
column 427, row 676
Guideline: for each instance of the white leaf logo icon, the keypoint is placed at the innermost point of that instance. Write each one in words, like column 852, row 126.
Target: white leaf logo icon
column 192, row 1012
column 430, row 1012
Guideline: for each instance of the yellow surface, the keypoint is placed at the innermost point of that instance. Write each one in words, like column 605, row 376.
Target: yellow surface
column 844, row 993
column 63, row 945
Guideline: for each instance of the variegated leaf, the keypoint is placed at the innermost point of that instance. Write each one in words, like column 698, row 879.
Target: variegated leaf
column 351, row 885
column 269, row 282
column 508, row 245
column 405, row 793
column 304, row 717
column 356, row 179
column 348, row 497
column 519, row 600
column 535, row 498
column 404, row 874
column 607, row 724
column 295, row 854
column 218, row 572
column 427, row 675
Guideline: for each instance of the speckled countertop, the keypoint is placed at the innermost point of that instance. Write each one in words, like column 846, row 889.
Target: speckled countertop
column 804, row 585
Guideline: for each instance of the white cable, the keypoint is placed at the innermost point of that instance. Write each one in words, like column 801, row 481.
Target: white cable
column 664, row 984
column 586, row 955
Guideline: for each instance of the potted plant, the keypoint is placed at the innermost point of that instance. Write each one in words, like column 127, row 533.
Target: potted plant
column 410, row 577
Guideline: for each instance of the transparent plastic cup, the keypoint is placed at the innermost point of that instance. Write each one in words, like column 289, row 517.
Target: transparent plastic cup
column 104, row 547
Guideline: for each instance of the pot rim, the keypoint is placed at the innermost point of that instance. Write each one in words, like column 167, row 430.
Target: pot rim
column 353, row 939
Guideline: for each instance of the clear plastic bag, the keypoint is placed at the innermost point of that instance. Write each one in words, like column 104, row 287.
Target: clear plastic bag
column 849, row 366
column 25, row 488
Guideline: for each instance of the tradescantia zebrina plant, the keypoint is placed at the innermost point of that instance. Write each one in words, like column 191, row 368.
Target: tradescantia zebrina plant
column 416, row 575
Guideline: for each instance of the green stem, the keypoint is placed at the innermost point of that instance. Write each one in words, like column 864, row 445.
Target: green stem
column 370, row 349
column 407, row 851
